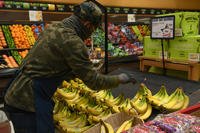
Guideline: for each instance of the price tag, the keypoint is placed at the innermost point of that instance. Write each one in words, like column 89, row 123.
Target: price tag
column 51, row 7
column 44, row 6
column 135, row 11
column 35, row 16
column 117, row 10
column 71, row 8
column 108, row 9
column 131, row 17
column 126, row 10
column 178, row 32
column 60, row 7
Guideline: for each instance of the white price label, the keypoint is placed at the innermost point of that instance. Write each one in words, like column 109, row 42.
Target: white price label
column 131, row 17
column 35, row 16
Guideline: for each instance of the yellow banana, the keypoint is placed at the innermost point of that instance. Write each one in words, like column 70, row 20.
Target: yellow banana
column 154, row 101
column 136, row 96
column 108, row 127
column 60, row 115
column 147, row 113
column 140, row 105
column 97, row 110
column 125, row 126
column 125, row 103
column 65, row 84
column 115, row 109
column 102, row 116
column 179, row 102
column 109, row 95
column 82, row 100
column 161, row 93
column 66, row 95
column 103, row 129
column 73, row 101
column 147, row 91
column 139, row 93
column 173, row 99
column 99, row 95
column 72, row 123
column 114, row 102
column 81, row 107
column 118, row 99
column 186, row 101
column 130, row 111
column 161, row 98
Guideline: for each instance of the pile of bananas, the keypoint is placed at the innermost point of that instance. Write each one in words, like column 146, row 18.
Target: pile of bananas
column 176, row 101
column 78, row 107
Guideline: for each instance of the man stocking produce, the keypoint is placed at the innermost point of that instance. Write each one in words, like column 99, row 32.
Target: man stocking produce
column 58, row 54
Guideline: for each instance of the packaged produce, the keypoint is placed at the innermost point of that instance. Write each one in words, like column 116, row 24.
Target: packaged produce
column 169, row 123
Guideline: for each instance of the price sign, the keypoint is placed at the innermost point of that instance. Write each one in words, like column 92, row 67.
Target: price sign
column 35, row 16
column 131, row 17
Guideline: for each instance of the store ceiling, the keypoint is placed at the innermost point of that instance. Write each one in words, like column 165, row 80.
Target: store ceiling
column 172, row 4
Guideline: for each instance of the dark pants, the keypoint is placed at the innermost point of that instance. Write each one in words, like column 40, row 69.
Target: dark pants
column 42, row 120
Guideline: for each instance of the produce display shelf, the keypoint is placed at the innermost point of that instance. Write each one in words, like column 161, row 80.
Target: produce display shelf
column 192, row 67
column 17, row 49
column 21, row 22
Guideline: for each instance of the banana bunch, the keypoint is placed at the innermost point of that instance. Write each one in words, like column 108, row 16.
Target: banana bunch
column 95, row 110
column 176, row 101
column 29, row 33
column 125, row 126
column 101, row 95
column 62, row 112
column 146, row 114
column 159, row 98
column 140, row 104
column 68, row 95
column 74, row 123
column 96, row 118
column 127, row 107
column 114, row 103
column 91, row 106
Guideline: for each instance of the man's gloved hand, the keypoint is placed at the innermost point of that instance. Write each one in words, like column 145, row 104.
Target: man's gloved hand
column 126, row 78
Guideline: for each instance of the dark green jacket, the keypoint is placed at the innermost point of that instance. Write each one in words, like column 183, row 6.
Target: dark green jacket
column 58, row 52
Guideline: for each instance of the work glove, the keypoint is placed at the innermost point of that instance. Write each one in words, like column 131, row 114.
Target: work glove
column 126, row 78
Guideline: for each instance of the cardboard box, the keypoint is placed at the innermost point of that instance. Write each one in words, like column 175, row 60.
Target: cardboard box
column 185, row 48
column 116, row 121
column 178, row 18
column 153, row 48
column 190, row 23
column 186, row 23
